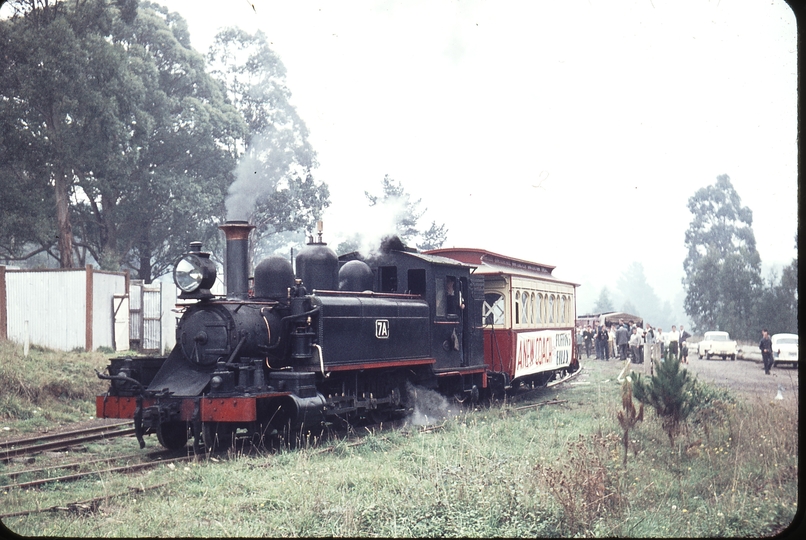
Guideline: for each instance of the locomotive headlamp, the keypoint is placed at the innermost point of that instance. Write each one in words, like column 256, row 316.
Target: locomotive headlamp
column 194, row 271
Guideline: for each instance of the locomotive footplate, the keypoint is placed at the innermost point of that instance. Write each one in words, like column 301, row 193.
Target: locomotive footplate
column 211, row 409
column 463, row 382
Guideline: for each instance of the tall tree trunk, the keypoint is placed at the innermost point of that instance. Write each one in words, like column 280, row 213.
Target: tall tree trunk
column 63, row 221
column 144, row 272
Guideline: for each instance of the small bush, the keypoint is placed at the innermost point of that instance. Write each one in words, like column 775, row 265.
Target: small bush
column 669, row 392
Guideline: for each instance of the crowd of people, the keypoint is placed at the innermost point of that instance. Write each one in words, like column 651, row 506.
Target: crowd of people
column 632, row 340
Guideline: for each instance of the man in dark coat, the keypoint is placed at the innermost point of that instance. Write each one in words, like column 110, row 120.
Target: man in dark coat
column 622, row 341
column 587, row 336
column 766, row 350
column 601, row 342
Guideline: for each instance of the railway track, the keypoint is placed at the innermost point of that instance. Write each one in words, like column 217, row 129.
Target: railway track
column 128, row 468
column 58, row 441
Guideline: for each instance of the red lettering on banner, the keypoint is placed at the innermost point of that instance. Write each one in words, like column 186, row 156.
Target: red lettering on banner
column 534, row 351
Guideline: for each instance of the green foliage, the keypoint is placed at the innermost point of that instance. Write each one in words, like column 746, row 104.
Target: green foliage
column 723, row 267
column 669, row 392
column 118, row 115
column 777, row 307
column 406, row 215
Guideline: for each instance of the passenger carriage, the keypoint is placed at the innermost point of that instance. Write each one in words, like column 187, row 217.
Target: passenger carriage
column 528, row 318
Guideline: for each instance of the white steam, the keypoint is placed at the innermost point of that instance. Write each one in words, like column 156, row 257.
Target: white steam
column 269, row 158
column 368, row 225
column 430, row 407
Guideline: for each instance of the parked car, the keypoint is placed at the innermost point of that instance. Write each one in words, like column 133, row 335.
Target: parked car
column 717, row 344
column 785, row 349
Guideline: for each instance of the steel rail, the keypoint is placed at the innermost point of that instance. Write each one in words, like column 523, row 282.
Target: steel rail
column 8, row 454
column 63, row 434
column 79, row 464
column 113, row 470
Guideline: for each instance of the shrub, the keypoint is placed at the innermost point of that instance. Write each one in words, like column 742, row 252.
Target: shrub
column 669, row 392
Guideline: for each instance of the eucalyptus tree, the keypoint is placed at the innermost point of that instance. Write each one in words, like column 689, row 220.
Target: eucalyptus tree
column 274, row 187
column 777, row 307
column 117, row 116
column 723, row 268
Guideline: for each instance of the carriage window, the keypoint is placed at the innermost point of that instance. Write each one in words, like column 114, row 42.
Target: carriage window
column 557, row 308
column 493, row 310
column 551, row 308
column 562, row 309
column 517, row 307
column 526, row 308
column 539, row 308
column 533, row 308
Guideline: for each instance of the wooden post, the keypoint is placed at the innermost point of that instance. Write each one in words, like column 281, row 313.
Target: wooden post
column 3, row 307
column 88, row 310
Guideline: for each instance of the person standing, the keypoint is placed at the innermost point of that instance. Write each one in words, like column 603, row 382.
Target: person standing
column 611, row 342
column 587, row 337
column 602, row 337
column 597, row 342
column 673, row 337
column 640, row 330
column 649, row 337
column 661, row 339
column 622, row 341
column 579, row 342
column 766, row 350
column 683, row 345
column 635, row 341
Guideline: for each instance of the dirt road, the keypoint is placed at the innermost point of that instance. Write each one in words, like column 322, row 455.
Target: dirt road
column 745, row 376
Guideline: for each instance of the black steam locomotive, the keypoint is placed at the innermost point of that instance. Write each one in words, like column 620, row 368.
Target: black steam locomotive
column 339, row 340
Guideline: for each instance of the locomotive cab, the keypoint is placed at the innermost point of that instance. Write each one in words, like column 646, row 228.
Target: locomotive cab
column 453, row 297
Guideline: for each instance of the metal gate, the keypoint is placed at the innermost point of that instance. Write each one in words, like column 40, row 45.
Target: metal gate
column 145, row 308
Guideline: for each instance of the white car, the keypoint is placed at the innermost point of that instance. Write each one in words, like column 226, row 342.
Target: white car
column 717, row 344
column 785, row 349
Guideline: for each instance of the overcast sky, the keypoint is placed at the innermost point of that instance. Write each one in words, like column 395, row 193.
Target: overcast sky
column 570, row 133
column 532, row 128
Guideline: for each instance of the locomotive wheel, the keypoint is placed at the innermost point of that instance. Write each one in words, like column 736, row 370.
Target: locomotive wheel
column 173, row 435
column 217, row 435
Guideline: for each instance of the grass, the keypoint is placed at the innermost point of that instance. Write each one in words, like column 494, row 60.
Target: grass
column 47, row 387
column 552, row 470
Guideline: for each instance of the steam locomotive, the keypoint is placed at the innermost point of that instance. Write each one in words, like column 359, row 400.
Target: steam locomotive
column 340, row 339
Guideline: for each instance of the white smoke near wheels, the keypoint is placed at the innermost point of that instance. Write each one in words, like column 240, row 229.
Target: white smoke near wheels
column 430, row 407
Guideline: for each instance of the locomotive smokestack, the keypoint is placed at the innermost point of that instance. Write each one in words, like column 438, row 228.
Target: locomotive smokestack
column 237, row 257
